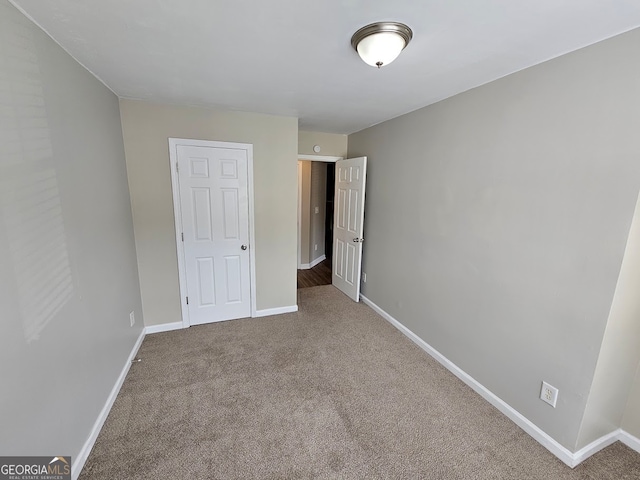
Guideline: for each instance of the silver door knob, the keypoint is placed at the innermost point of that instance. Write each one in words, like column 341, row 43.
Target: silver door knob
column 358, row 240
column 243, row 247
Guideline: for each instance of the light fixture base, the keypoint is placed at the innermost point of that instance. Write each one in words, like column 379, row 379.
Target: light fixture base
column 380, row 27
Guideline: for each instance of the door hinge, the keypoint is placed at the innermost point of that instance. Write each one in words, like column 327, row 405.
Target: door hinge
column 177, row 168
column 187, row 300
column 182, row 234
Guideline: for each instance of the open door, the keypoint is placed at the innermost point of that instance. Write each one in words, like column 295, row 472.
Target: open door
column 347, row 225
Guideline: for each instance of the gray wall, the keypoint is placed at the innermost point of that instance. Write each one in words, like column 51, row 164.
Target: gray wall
column 620, row 350
column 318, row 200
column 147, row 128
column 68, row 276
column 496, row 223
column 631, row 418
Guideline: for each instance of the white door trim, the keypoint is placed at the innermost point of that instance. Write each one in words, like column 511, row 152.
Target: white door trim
column 175, row 190
column 299, row 215
column 319, row 158
column 309, row 158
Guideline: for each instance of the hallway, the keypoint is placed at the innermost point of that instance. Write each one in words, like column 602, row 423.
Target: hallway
column 316, row 276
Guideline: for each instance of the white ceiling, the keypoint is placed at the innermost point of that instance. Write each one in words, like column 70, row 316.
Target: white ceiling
column 294, row 58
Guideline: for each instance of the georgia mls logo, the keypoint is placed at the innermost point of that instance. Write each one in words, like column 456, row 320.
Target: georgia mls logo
column 35, row 468
column 61, row 463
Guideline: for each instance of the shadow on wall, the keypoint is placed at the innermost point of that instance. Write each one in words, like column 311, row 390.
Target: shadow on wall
column 30, row 206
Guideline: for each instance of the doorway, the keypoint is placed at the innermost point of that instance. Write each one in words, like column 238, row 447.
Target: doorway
column 316, row 188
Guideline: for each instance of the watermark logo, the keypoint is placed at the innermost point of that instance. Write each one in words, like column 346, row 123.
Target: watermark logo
column 35, row 468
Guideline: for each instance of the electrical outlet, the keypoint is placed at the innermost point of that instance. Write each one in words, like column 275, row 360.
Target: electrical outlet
column 364, row 277
column 315, row 247
column 317, row 209
column 549, row 394
column 132, row 318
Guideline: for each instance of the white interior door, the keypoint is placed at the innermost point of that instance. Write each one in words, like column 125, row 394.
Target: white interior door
column 347, row 225
column 214, row 211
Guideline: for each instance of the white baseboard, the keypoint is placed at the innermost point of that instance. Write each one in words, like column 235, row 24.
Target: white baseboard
column 606, row 440
column 163, row 327
column 276, row 311
column 595, row 446
column 79, row 461
column 564, row 454
column 307, row 266
column 630, row 441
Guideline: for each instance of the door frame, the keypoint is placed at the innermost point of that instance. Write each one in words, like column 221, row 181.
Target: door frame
column 308, row 158
column 177, row 215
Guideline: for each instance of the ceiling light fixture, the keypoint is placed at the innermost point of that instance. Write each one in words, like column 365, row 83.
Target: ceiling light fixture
column 380, row 43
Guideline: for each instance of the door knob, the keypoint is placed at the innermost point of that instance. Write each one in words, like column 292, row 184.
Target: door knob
column 358, row 240
column 243, row 247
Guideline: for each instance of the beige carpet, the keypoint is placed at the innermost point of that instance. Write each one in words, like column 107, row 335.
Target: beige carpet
column 332, row 391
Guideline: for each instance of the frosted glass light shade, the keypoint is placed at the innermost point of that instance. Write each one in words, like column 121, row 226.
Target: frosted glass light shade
column 380, row 43
column 380, row 48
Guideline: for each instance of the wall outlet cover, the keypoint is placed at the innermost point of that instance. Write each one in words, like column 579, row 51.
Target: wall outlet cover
column 549, row 394
column 132, row 318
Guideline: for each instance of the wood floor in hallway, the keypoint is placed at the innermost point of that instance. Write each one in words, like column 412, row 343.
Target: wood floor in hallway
column 316, row 276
